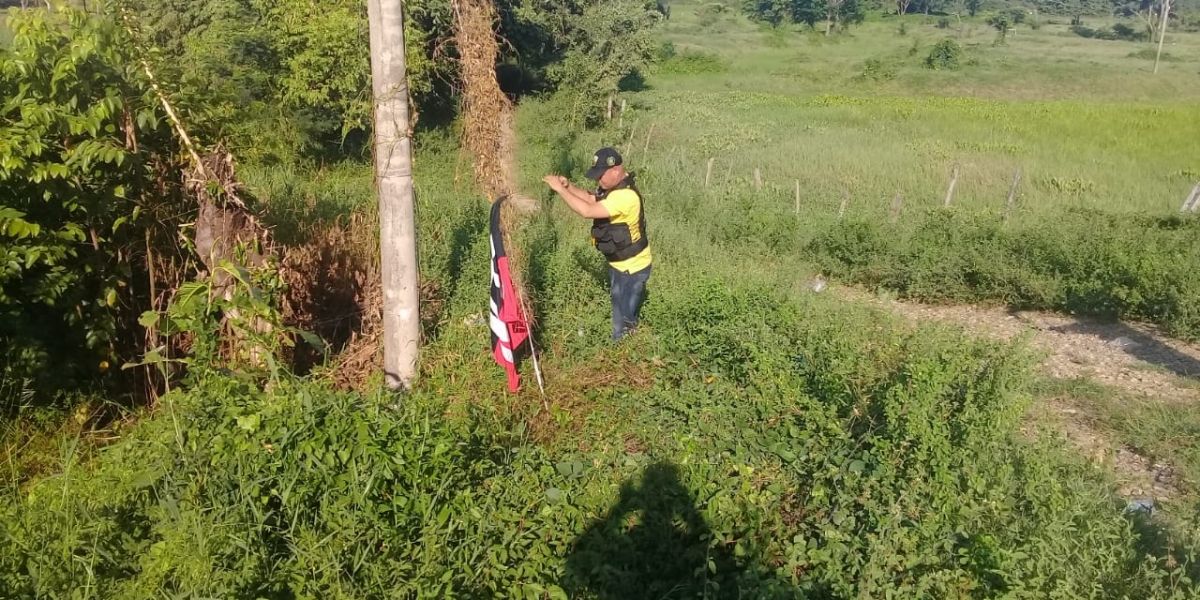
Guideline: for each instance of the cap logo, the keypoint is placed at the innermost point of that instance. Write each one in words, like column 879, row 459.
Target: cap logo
column 612, row 161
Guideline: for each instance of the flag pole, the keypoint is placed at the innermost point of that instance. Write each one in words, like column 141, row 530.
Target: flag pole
column 537, row 369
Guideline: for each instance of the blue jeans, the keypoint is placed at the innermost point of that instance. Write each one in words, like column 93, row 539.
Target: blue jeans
column 628, row 292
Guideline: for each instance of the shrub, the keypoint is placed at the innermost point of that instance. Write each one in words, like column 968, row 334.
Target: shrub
column 81, row 202
column 1086, row 262
column 692, row 62
column 946, row 54
column 878, row 70
column 1123, row 31
column 1120, row 31
column 781, row 436
column 943, row 23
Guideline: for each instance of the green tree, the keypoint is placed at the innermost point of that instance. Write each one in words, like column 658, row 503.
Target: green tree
column 86, row 180
column 601, row 45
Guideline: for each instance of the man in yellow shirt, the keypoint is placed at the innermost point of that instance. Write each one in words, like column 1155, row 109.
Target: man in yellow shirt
column 618, row 232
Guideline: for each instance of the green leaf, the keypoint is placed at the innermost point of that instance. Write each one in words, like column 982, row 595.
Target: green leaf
column 554, row 495
column 148, row 319
column 249, row 422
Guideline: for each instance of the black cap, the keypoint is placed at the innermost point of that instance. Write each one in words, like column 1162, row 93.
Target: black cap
column 605, row 159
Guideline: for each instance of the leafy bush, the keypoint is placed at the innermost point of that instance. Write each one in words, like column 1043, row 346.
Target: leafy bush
column 878, row 70
column 86, row 179
column 780, row 438
column 1123, row 31
column 1152, row 54
column 1083, row 263
column 946, row 54
column 605, row 44
column 1118, row 32
column 692, row 62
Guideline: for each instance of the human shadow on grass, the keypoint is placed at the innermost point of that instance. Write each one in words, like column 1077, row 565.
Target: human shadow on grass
column 655, row 544
column 1138, row 344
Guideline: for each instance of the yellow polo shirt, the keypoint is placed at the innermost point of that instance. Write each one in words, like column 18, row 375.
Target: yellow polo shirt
column 624, row 207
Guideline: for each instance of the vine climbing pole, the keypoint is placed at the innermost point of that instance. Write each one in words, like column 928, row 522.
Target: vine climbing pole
column 488, row 132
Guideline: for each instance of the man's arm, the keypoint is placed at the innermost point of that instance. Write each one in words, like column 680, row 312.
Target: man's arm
column 583, row 203
column 580, row 193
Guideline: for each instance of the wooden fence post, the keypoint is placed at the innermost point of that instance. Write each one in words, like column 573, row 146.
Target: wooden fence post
column 646, row 147
column 610, row 108
column 1012, row 195
column 845, row 201
column 953, row 182
column 757, row 179
column 797, row 197
column 708, row 171
column 1189, row 203
column 621, row 116
column 897, row 203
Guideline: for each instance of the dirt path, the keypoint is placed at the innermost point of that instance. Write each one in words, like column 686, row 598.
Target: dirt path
column 1135, row 359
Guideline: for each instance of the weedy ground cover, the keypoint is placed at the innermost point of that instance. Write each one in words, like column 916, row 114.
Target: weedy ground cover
column 774, row 444
column 756, row 440
column 786, row 447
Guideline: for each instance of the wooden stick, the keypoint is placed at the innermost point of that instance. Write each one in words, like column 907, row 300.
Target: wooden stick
column 610, row 108
column 621, row 117
column 646, row 146
column 797, row 197
column 897, row 203
column 1012, row 195
column 757, row 179
column 845, row 201
column 708, row 171
column 629, row 142
column 953, row 182
column 162, row 99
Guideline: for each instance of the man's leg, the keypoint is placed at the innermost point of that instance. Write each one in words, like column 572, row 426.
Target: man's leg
column 635, row 294
column 617, row 283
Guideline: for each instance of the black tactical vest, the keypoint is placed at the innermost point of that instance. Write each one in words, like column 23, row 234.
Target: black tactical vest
column 615, row 240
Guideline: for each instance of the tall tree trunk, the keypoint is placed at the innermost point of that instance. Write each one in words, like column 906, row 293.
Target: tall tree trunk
column 394, row 185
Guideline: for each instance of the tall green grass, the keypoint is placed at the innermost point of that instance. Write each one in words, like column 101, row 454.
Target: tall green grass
column 1082, row 262
column 782, row 450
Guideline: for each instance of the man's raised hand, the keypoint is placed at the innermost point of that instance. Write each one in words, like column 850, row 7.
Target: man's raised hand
column 557, row 183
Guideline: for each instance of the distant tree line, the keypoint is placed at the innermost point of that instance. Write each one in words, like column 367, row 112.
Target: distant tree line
column 839, row 14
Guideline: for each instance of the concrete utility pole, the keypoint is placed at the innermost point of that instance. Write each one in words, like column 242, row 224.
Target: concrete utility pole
column 394, row 186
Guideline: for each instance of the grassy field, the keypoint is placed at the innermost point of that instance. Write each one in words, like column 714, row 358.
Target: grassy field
column 1087, row 124
column 755, row 440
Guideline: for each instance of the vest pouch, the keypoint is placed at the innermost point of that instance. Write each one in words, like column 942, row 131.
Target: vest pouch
column 610, row 238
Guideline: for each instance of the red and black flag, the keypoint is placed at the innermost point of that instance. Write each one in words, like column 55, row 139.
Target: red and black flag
column 509, row 328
